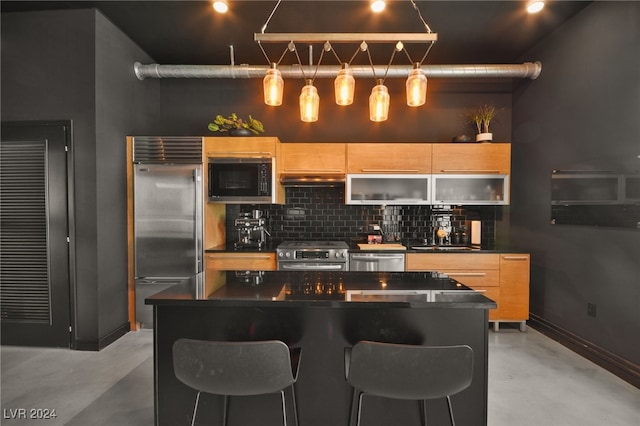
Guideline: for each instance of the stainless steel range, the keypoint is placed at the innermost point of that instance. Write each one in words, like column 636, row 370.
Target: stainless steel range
column 313, row 256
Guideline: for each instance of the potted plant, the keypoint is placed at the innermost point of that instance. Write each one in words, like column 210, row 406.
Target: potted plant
column 481, row 118
column 236, row 126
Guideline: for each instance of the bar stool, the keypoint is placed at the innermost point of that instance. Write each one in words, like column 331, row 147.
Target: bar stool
column 409, row 372
column 237, row 369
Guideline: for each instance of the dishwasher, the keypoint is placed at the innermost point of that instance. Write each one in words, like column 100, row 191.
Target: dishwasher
column 384, row 262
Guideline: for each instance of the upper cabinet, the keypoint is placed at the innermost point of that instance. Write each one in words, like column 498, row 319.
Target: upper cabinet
column 470, row 189
column 312, row 158
column 384, row 173
column 236, row 146
column 395, row 158
column 388, row 189
column 471, row 173
column 475, row 158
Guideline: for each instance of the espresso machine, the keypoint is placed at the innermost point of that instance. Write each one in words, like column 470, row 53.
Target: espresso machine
column 251, row 230
column 441, row 225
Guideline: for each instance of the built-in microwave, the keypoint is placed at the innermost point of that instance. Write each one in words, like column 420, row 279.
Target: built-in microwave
column 241, row 180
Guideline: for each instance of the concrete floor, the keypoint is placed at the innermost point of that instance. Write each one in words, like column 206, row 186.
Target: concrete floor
column 532, row 381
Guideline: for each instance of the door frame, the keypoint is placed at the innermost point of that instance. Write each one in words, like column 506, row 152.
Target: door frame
column 70, row 186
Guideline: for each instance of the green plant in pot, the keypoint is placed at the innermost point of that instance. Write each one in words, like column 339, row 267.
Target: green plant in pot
column 236, row 126
column 481, row 118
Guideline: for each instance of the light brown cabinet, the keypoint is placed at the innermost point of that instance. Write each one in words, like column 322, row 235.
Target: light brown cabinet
column 476, row 158
column 397, row 158
column 514, row 282
column 504, row 278
column 227, row 261
column 240, row 146
column 312, row 158
column 237, row 147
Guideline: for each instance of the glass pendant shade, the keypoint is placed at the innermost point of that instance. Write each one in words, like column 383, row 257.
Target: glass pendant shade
column 379, row 103
column 273, row 87
column 416, row 87
column 344, row 86
column 309, row 103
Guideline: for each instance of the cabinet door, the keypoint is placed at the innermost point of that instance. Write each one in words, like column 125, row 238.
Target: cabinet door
column 389, row 158
column 242, row 261
column 320, row 158
column 240, row 146
column 470, row 189
column 387, row 189
column 479, row 158
column 514, row 286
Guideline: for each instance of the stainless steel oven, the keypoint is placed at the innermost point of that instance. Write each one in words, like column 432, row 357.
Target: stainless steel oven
column 313, row 256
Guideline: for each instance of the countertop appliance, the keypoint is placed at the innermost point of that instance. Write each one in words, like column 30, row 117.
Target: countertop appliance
column 168, row 215
column 373, row 262
column 251, row 229
column 313, row 256
column 242, row 180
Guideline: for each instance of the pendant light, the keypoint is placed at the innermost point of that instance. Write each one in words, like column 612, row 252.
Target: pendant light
column 273, row 86
column 379, row 102
column 416, row 87
column 344, row 86
column 344, row 83
column 309, row 103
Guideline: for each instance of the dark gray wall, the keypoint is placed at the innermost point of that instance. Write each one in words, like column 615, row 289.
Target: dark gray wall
column 189, row 105
column 123, row 107
column 582, row 113
column 60, row 65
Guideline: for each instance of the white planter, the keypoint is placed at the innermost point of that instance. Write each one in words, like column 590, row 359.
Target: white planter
column 484, row 137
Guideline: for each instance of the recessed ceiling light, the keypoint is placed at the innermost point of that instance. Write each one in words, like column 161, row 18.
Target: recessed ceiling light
column 220, row 6
column 378, row 6
column 535, row 6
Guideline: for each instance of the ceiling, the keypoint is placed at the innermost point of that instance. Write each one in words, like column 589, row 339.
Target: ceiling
column 191, row 33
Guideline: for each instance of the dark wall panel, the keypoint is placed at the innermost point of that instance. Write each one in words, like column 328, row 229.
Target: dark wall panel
column 75, row 65
column 123, row 107
column 48, row 74
column 581, row 113
column 189, row 105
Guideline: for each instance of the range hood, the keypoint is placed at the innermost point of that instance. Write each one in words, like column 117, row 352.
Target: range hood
column 312, row 179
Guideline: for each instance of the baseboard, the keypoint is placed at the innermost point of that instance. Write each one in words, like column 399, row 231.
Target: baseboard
column 625, row 369
column 105, row 341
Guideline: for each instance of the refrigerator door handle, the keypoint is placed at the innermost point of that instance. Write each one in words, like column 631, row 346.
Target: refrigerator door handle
column 199, row 218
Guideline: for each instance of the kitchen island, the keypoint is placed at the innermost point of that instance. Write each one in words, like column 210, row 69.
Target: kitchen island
column 321, row 313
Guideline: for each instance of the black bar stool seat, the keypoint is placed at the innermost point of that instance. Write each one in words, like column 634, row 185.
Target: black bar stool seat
column 411, row 372
column 237, row 369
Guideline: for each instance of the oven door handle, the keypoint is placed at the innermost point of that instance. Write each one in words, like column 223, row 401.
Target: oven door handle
column 299, row 267
column 376, row 257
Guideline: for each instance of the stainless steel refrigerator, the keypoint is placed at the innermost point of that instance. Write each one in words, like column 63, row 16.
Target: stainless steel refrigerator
column 168, row 215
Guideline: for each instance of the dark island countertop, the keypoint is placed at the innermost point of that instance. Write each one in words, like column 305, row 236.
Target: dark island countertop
column 335, row 289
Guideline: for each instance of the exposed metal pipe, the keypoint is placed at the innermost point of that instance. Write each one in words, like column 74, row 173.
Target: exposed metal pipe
column 526, row 70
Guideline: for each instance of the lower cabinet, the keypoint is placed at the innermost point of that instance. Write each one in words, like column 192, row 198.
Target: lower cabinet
column 226, row 261
column 514, row 285
column 503, row 277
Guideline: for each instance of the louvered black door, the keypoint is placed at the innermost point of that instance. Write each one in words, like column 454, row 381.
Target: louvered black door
column 34, row 253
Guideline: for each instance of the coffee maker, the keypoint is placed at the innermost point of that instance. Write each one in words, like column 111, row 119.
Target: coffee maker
column 251, row 230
